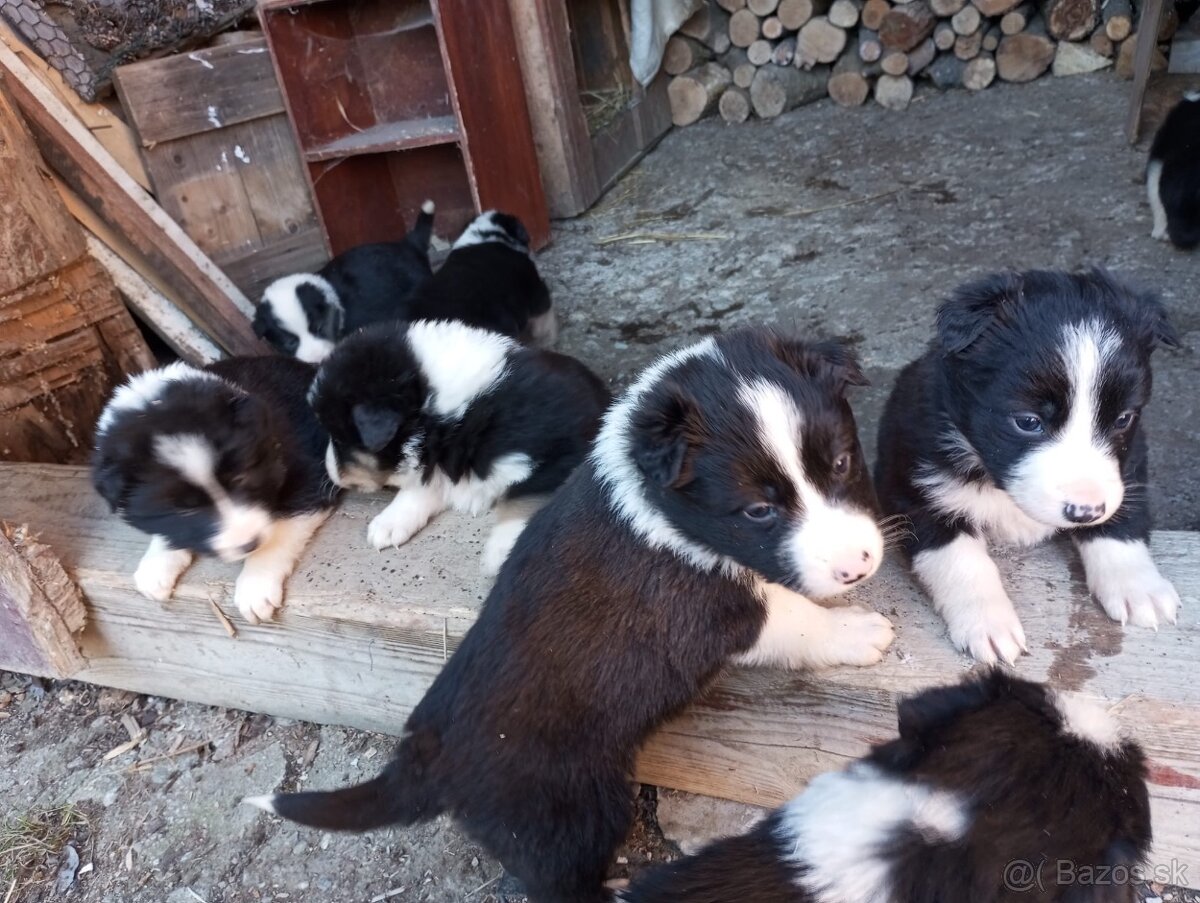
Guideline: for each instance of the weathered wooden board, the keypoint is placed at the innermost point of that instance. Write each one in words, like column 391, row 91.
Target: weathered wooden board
column 363, row 633
column 222, row 159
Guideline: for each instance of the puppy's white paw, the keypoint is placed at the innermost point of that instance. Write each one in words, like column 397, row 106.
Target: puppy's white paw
column 858, row 636
column 393, row 527
column 987, row 627
column 1127, row 584
column 499, row 543
column 258, row 596
column 159, row 571
column 1160, row 233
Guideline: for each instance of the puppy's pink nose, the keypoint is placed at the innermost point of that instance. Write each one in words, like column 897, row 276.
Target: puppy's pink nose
column 1084, row 494
column 852, row 566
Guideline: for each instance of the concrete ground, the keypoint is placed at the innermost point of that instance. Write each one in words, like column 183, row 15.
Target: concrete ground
column 828, row 221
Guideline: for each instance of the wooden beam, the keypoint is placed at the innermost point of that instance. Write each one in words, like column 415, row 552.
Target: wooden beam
column 211, row 299
column 364, row 633
column 1146, row 44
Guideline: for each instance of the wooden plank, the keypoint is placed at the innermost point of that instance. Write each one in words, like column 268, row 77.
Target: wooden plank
column 211, row 300
column 1143, row 58
column 560, row 132
column 189, row 93
column 363, row 634
column 302, row 252
column 480, row 55
column 109, row 129
column 390, row 136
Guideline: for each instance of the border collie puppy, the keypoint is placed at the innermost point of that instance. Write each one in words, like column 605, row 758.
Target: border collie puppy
column 1023, row 419
column 453, row 417
column 489, row 281
column 725, row 487
column 986, row 777
column 305, row 314
column 223, row 461
column 1173, row 175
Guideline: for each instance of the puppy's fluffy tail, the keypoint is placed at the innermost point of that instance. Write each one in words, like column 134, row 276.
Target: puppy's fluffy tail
column 389, row 799
column 422, row 229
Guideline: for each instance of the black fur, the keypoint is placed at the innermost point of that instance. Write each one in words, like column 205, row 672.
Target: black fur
column 1177, row 147
column 591, row 638
column 373, row 284
column 268, row 443
column 996, row 353
column 372, row 396
column 1035, row 793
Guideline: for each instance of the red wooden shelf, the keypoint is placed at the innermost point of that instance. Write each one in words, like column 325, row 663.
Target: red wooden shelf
column 389, row 136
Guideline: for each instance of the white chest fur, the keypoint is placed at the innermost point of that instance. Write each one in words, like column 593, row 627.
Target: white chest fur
column 989, row 509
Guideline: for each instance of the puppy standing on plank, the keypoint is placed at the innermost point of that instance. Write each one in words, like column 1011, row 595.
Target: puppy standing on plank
column 454, row 417
column 1024, row 419
column 997, row 789
column 725, row 487
column 223, row 461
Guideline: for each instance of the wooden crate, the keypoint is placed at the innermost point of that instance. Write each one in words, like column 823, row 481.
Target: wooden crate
column 364, row 633
column 223, row 161
column 396, row 101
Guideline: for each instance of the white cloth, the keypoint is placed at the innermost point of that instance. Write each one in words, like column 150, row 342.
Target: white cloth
column 652, row 22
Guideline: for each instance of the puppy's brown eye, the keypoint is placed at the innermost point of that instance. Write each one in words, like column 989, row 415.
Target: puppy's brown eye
column 761, row 513
column 841, row 465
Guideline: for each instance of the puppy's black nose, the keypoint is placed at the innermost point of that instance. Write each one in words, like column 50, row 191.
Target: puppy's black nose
column 1083, row 514
column 249, row 547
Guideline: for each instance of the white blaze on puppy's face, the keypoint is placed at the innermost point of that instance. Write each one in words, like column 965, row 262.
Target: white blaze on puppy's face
column 833, row 546
column 240, row 528
column 286, row 306
column 1073, row 478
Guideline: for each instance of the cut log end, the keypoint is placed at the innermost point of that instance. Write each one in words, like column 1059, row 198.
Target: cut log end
column 894, row 92
column 696, row 93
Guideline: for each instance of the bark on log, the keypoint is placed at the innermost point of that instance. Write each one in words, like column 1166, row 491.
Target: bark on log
column 1025, row 56
column 894, row 92
column 845, row 13
column 873, row 12
column 1102, row 43
column 850, row 82
column 946, row 71
column 777, row 89
column 869, row 48
column 744, row 28
column 738, row 63
column 1070, row 20
column 710, row 26
column 819, row 41
column 734, row 105
column 1168, row 24
column 966, row 21
column 979, row 73
column 1158, row 61
column 921, row 56
column 731, row 6
column 991, row 38
column 904, row 27
column 683, row 53
column 695, row 93
column 993, row 8
column 785, row 52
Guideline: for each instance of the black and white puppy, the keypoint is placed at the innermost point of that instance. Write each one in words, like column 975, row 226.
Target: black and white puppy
column 304, row 315
column 1023, row 419
column 489, row 281
column 1173, row 175
column 224, row 461
column 997, row 789
column 725, row 487
column 454, row 417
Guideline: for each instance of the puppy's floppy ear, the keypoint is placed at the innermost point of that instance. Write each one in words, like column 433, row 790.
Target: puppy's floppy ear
column 661, row 432
column 376, row 424
column 1158, row 323
column 324, row 319
column 972, row 308
column 938, row 706
column 833, row 360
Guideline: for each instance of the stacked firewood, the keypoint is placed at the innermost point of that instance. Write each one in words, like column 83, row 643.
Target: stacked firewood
column 746, row 58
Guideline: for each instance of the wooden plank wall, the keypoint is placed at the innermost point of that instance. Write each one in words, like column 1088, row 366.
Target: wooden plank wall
column 363, row 634
column 222, row 159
